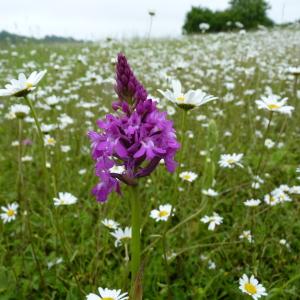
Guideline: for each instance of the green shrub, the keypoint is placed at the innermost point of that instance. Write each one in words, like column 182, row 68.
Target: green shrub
column 250, row 13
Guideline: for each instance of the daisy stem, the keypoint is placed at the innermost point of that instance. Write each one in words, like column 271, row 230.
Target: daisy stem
column 38, row 126
column 264, row 138
column 31, row 239
column 20, row 168
column 171, row 230
column 200, row 245
column 126, row 253
column 21, row 198
column 126, row 268
column 183, row 120
column 295, row 90
column 20, row 178
column 150, row 26
column 63, row 240
column 167, row 271
column 135, row 243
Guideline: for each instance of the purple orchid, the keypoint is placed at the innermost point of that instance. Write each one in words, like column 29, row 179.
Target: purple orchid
column 136, row 138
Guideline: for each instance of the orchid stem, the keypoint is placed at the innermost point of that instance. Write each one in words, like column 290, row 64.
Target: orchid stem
column 135, row 243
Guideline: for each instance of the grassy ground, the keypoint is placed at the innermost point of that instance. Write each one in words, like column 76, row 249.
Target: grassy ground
column 202, row 264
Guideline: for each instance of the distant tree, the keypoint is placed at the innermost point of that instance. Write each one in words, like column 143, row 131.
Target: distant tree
column 199, row 15
column 6, row 36
column 250, row 13
column 195, row 17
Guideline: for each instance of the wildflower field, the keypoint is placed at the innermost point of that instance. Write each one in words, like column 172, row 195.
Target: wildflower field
column 222, row 222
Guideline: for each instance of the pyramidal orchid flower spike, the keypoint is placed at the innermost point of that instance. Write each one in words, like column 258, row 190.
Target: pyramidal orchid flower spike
column 135, row 138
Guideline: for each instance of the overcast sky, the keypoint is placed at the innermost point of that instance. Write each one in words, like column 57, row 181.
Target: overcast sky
column 116, row 18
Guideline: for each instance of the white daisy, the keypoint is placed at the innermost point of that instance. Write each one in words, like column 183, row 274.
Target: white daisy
column 9, row 212
column 22, row 86
column 26, row 158
column 211, row 265
column 64, row 120
column 19, row 110
column 106, row 294
column 188, row 176
column 271, row 199
column 269, row 143
column 231, row 160
column 283, row 188
column 162, row 213
column 251, row 287
column 246, row 234
column 111, row 224
column 204, row 27
column 65, row 148
column 257, row 181
column 273, row 103
column 213, row 220
column 210, row 192
column 252, row 202
column 82, row 171
column 52, row 101
column 171, row 110
column 64, row 199
column 121, row 235
column 49, row 140
column 295, row 189
column 46, row 128
column 282, row 196
column 285, row 243
column 151, row 12
column 294, row 71
column 57, row 261
column 189, row 100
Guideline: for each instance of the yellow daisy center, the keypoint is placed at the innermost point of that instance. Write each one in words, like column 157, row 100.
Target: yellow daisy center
column 107, row 298
column 180, row 98
column 250, row 288
column 29, row 85
column 187, row 177
column 231, row 161
column 163, row 213
column 10, row 212
column 51, row 140
column 273, row 106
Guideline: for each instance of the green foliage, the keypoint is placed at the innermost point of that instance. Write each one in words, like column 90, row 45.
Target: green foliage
column 216, row 20
column 250, row 13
